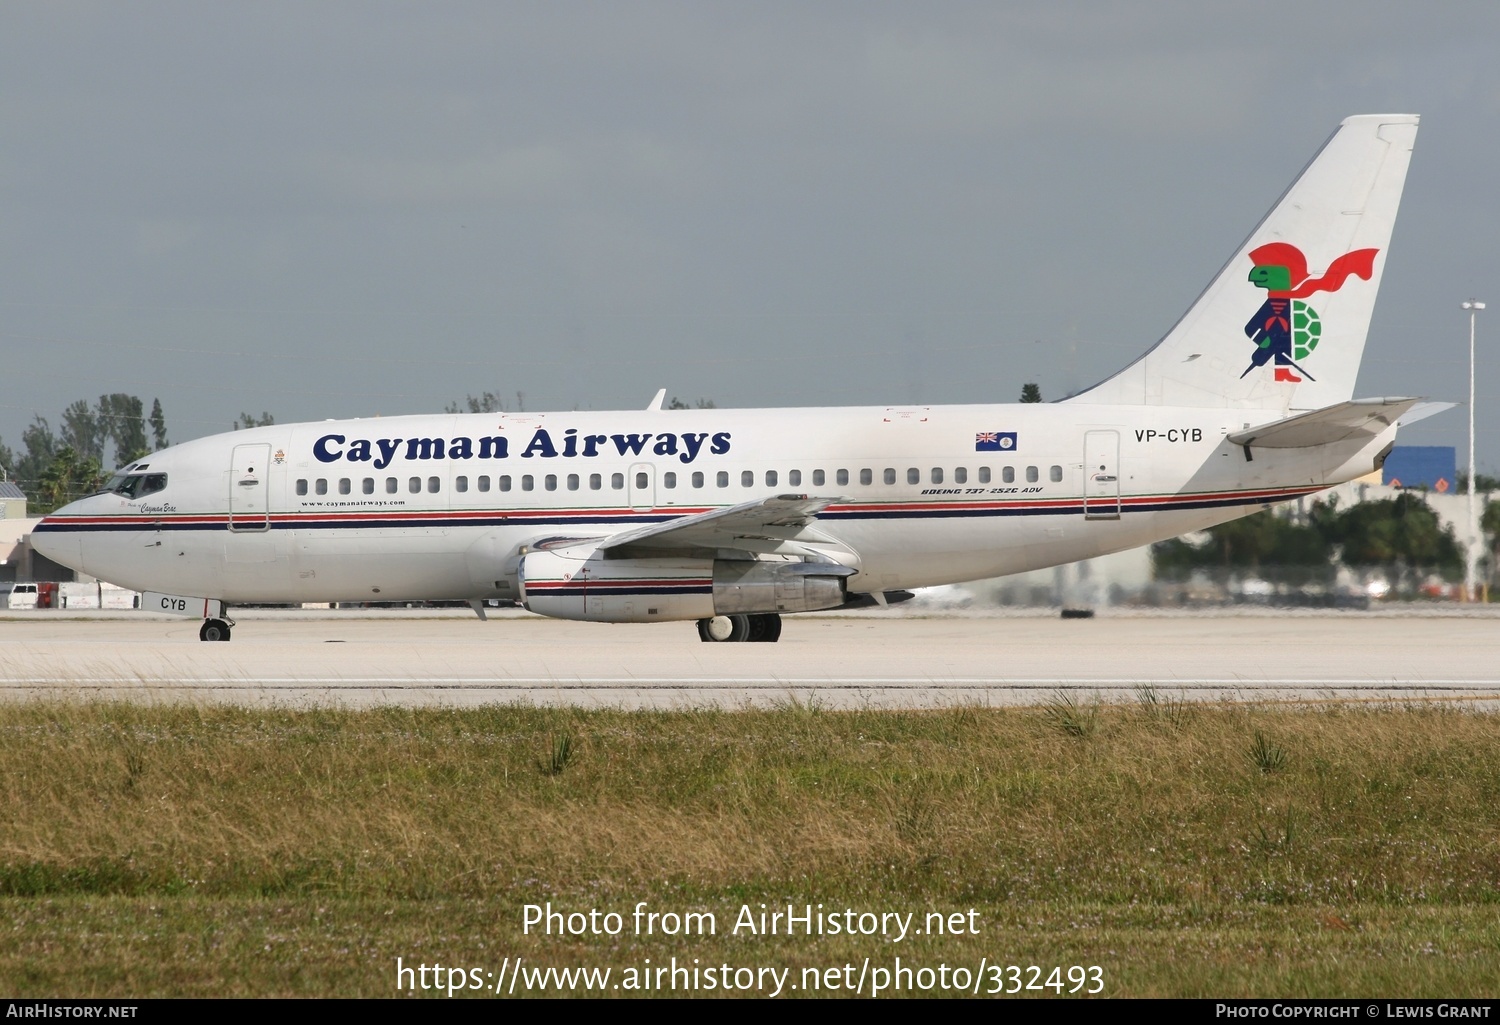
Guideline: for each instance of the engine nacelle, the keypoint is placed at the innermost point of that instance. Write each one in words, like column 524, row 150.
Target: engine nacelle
column 752, row 587
column 576, row 581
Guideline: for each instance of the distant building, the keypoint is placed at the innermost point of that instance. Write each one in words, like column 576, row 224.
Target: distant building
column 19, row 561
column 12, row 501
column 1429, row 467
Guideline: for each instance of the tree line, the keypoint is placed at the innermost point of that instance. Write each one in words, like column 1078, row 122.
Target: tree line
column 55, row 466
column 1401, row 536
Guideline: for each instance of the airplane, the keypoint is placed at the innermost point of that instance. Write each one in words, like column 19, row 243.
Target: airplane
column 734, row 518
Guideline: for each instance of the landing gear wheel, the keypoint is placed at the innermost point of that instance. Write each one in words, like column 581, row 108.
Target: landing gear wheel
column 765, row 628
column 721, row 629
column 214, row 630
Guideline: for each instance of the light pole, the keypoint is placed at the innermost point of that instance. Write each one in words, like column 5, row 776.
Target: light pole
column 1471, row 556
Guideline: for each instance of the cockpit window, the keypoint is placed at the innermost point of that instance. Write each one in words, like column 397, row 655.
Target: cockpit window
column 136, row 485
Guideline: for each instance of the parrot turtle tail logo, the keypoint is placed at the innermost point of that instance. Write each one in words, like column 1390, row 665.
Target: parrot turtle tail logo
column 1285, row 329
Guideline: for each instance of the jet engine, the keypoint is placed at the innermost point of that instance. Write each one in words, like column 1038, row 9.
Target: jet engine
column 567, row 580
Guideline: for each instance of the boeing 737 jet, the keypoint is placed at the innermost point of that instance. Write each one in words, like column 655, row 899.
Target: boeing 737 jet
column 734, row 518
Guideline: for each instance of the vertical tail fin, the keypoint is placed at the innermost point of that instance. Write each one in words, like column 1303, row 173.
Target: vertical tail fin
column 1283, row 325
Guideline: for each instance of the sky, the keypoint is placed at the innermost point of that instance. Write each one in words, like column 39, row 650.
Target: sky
column 348, row 209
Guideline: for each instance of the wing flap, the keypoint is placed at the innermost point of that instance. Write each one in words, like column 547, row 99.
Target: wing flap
column 750, row 526
column 1343, row 421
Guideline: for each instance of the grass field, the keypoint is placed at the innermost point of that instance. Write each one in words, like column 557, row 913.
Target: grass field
column 1184, row 850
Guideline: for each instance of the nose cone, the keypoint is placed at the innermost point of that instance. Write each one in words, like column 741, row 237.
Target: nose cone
column 58, row 537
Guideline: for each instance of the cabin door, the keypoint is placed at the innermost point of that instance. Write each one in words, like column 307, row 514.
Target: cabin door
column 1101, row 475
column 249, row 482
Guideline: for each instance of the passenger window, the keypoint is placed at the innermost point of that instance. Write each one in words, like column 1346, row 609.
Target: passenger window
column 770, row 478
column 390, row 485
column 867, row 476
column 321, row 487
column 937, row 475
column 483, row 482
column 984, row 475
column 617, row 481
column 550, row 482
column 723, row 479
column 460, row 484
column 1056, row 474
column 1008, row 475
column 641, row 480
column 595, row 482
column 572, row 482
column 913, row 475
column 890, row 475
column 368, row 485
column 842, row 476
column 794, row 478
column 527, row 482
column 960, row 475
column 302, row 486
column 414, row 485
column 1031, row 475
column 747, row 478
column 503, row 482
column 669, row 479
column 697, row 478
column 345, row 486
column 433, row 484
column 817, row 478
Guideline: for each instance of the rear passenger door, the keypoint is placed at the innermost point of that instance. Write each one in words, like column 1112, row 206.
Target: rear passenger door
column 1101, row 475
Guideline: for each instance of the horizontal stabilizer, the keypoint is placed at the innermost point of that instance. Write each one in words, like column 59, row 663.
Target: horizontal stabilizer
column 772, row 519
column 1422, row 410
column 1358, row 419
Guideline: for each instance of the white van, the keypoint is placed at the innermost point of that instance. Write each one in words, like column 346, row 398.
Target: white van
column 18, row 596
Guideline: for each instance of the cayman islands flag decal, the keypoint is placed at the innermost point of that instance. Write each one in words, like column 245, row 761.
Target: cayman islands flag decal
column 995, row 441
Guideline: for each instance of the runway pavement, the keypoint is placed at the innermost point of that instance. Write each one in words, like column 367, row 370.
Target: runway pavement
column 873, row 660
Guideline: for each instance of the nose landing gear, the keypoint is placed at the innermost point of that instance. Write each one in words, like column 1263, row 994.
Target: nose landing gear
column 214, row 630
column 722, row 629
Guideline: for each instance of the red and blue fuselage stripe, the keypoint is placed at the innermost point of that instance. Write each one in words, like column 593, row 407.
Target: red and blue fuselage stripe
column 621, row 517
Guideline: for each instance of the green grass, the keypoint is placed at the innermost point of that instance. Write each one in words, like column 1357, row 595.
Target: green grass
column 1187, row 850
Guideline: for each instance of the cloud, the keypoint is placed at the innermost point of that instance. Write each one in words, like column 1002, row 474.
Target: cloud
column 946, row 84
column 522, row 173
column 156, row 238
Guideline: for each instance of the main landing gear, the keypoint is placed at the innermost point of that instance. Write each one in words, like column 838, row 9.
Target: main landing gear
column 719, row 629
column 214, row 630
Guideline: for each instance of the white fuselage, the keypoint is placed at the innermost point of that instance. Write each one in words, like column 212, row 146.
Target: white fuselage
column 437, row 507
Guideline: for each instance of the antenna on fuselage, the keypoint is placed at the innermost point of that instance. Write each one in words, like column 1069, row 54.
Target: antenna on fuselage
column 655, row 404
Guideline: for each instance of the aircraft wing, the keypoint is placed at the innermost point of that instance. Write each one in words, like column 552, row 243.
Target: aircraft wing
column 758, row 526
column 1342, row 421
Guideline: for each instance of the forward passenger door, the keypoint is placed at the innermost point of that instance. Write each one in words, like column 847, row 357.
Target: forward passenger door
column 249, row 482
